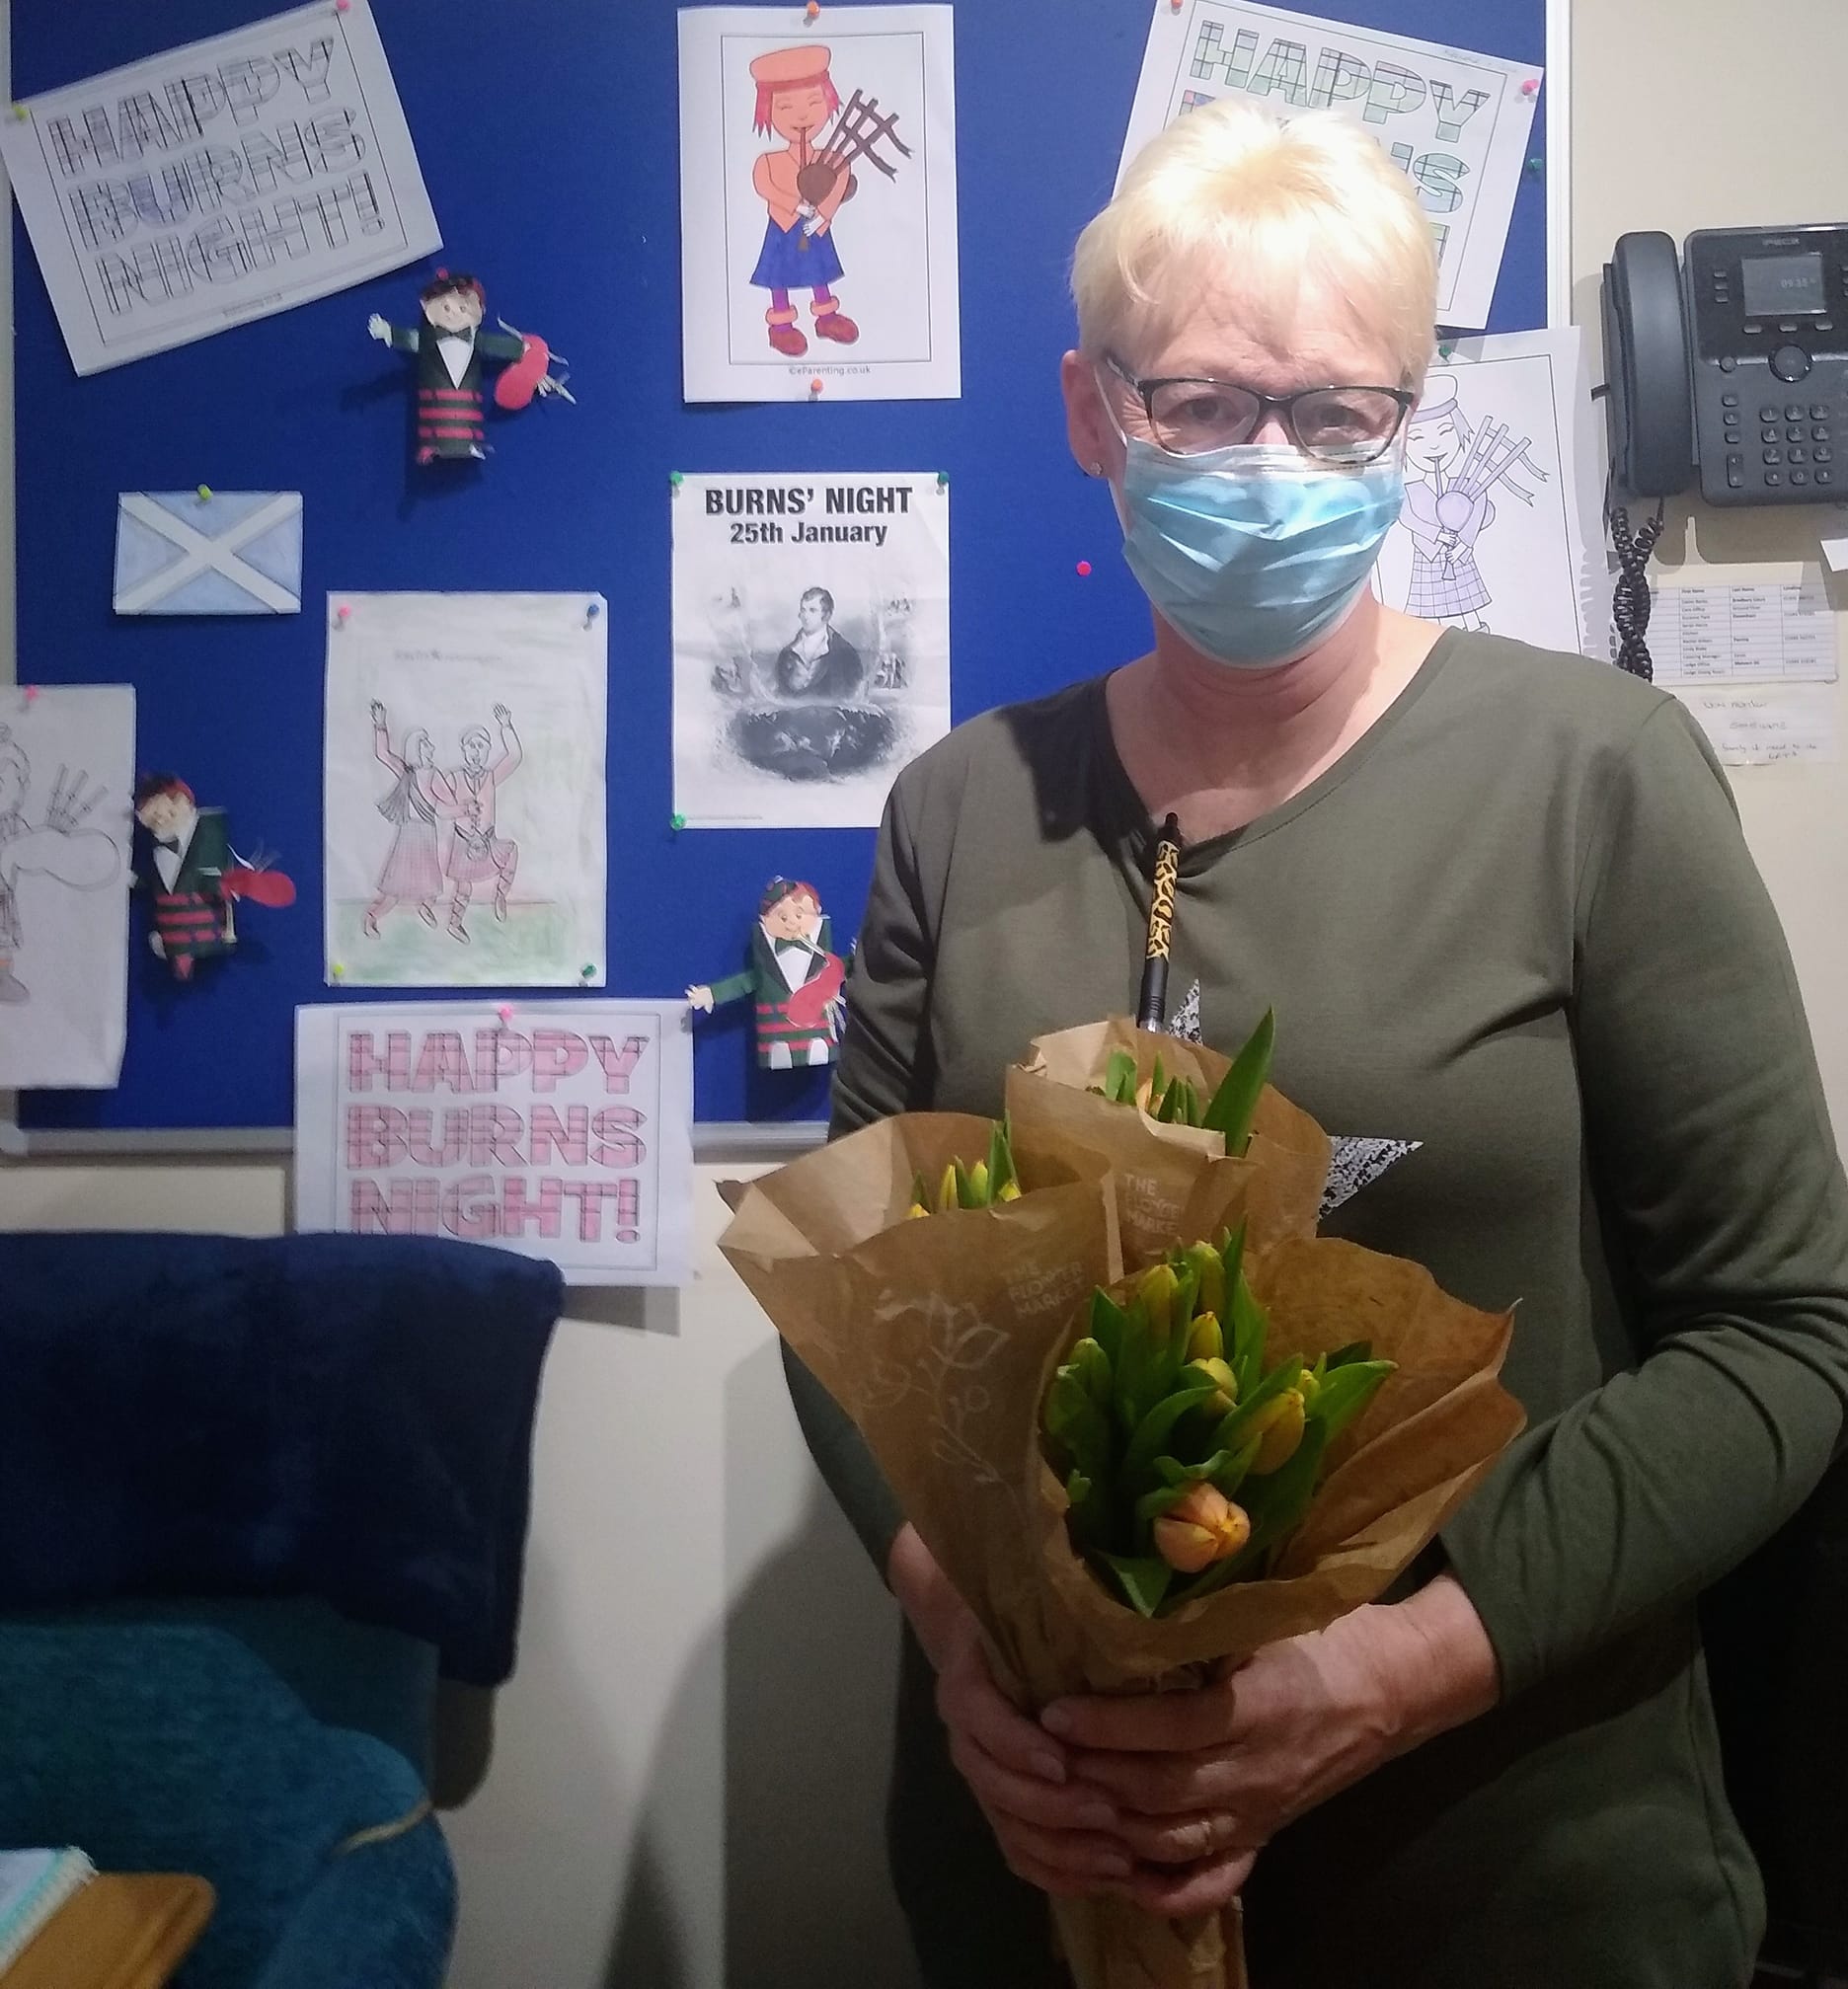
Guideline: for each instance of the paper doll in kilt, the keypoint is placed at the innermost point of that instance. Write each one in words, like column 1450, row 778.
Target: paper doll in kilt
column 449, row 347
column 795, row 978
column 193, row 876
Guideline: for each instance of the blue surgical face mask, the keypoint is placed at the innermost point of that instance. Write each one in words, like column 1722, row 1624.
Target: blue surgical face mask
column 1254, row 552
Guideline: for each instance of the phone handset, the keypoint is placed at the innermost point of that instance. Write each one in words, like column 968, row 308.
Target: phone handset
column 1650, row 404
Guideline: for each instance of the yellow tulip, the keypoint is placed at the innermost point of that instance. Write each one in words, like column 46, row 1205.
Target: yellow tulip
column 1281, row 1422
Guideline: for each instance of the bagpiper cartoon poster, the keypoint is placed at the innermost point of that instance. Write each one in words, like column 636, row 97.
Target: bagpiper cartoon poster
column 794, row 978
column 1499, row 527
column 817, row 197
column 466, row 837
column 67, row 771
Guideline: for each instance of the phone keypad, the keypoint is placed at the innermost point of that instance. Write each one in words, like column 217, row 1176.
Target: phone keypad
column 1796, row 452
column 1792, row 457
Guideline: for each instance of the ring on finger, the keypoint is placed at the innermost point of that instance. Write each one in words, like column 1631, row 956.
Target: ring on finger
column 1200, row 1836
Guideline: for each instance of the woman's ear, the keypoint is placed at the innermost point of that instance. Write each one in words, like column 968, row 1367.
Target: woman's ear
column 1095, row 445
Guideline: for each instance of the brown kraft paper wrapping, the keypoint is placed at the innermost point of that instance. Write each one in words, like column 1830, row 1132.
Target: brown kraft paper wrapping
column 939, row 1336
column 1159, row 1167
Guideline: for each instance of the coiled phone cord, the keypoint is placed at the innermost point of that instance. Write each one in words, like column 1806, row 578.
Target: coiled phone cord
column 1630, row 603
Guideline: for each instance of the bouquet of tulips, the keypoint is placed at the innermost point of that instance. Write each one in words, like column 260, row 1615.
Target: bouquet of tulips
column 1157, row 1423
column 1143, row 1417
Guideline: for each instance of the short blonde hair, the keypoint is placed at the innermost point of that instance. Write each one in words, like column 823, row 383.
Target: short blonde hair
column 1231, row 190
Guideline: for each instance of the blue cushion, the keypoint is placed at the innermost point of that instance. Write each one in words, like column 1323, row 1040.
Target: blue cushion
column 243, row 1741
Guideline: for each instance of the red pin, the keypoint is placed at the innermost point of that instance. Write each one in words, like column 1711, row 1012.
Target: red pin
column 1083, row 569
column 1531, row 85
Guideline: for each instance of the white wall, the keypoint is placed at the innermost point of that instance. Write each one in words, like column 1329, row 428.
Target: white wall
column 685, row 1773
column 1714, row 113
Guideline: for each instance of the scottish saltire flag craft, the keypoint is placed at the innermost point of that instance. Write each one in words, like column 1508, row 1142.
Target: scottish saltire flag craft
column 223, row 553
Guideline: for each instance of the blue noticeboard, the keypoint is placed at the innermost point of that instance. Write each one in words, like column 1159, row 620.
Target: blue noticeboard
column 548, row 138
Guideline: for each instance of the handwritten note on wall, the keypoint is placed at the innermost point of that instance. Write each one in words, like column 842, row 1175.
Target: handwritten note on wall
column 1760, row 726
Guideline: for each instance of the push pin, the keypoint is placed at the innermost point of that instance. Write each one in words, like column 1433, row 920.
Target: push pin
column 812, row 12
column 1176, row 5
column 205, row 493
column 677, row 823
column 505, row 1013
column 340, row 6
column 942, row 479
column 676, row 478
column 21, row 113
column 341, row 616
column 593, row 610
column 1083, row 569
column 337, row 971
column 1531, row 86
column 587, row 971
column 1444, row 351
column 815, row 388
column 30, row 692
column 1536, row 165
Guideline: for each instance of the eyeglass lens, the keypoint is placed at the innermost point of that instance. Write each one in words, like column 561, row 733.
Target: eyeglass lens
column 1191, row 417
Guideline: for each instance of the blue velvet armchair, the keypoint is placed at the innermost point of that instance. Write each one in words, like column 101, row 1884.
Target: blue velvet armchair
column 253, row 1496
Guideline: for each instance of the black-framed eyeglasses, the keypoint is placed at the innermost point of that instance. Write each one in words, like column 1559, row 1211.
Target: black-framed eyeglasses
column 1349, row 425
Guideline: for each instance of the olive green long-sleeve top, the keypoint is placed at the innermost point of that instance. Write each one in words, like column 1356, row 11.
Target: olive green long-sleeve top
column 1516, row 923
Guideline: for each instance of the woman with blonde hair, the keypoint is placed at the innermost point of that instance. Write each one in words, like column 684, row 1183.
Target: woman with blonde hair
column 1502, row 904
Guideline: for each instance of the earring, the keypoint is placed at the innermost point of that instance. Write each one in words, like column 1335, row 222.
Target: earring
column 1095, row 470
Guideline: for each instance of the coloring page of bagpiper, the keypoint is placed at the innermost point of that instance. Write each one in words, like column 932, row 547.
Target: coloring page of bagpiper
column 1457, row 121
column 810, row 644
column 466, row 826
column 218, row 182
column 819, row 203
column 66, row 776
column 1501, row 525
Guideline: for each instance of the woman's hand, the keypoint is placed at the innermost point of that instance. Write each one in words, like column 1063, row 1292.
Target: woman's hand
column 1054, row 1831
column 1205, row 1778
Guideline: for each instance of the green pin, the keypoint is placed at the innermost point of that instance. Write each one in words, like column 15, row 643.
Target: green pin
column 942, row 479
column 676, row 478
column 677, row 821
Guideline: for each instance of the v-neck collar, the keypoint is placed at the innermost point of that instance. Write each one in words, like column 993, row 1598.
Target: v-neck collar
column 1126, row 815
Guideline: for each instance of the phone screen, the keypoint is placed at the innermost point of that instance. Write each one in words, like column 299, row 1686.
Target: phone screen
column 1783, row 287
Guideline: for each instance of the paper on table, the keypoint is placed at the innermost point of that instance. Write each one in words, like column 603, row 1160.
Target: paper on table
column 1457, row 122
column 811, row 644
column 67, row 781
column 559, row 1129
column 217, row 553
column 281, row 146
column 1835, row 555
column 1743, row 633
column 466, row 824
column 1766, row 723
column 1501, row 527
column 825, row 255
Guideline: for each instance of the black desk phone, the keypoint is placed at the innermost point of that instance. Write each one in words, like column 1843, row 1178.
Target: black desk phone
column 1732, row 359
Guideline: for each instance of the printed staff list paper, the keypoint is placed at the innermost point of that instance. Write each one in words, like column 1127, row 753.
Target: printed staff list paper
column 218, row 182
column 562, row 1130
column 1747, row 634
column 1456, row 122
